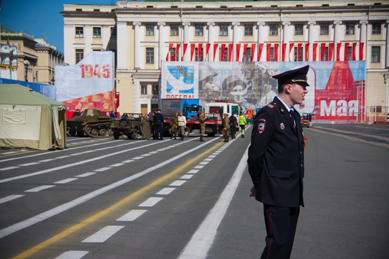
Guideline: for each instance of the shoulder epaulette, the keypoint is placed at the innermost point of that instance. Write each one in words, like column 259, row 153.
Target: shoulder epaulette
column 270, row 106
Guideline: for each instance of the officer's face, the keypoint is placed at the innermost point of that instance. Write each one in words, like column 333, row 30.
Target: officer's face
column 297, row 93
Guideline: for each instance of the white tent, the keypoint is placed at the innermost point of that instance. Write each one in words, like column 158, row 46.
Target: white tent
column 29, row 119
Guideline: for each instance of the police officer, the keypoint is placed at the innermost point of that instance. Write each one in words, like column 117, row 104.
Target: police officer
column 276, row 163
column 158, row 124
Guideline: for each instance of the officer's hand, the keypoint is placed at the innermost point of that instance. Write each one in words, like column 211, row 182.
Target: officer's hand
column 253, row 191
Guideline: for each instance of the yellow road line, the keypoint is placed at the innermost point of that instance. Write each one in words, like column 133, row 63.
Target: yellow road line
column 110, row 209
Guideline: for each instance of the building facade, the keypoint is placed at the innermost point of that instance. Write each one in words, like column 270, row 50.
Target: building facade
column 47, row 58
column 143, row 34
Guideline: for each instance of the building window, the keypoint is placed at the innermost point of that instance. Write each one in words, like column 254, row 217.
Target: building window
column 79, row 32
column 248, row 29
column 350, row 28
column 298, row 29
column 174, row 30
column 273, row 30
column 149, row 30
column 349, row 53
column 375, row 54
column 150, row 55
column 223, row 30
column 225, row 56
column 197, row 55
column 96, row 32
column 324, row 29
column 300, row 57
column 172, row 53
column 325, row 54
column 143, row 90
column 247, row 55
column 79, row 55
column 113, row 32
column 155, row 89
column 199, row 30
column 376, row 28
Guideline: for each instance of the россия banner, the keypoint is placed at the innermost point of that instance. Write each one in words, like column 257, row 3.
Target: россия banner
column 336, row 92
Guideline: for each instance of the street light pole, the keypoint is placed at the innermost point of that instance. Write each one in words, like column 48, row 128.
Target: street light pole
column 26, row 64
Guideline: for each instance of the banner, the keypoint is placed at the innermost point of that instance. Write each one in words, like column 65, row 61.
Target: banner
column 88, row 84
column 336, row 91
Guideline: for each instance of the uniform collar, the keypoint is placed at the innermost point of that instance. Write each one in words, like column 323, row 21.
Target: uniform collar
column 286, row 106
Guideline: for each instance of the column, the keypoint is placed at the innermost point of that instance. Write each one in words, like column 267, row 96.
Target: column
column 311, row 39
column 161, row 43
column 235, row 38
column 387, row 48
column 337, row 37
column 122, row 45
column 364, row 37
column 211, row 40
column 261, row 31
column 286, row 25
column 137, row 51
column 186, row 40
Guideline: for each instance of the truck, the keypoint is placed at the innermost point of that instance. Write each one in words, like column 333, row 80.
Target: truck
column 221, row 107
column 189, row 107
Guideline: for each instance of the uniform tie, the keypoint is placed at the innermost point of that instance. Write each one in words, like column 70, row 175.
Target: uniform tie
column 291, row 113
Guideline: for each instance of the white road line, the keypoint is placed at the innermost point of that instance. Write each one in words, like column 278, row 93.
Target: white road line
column 212, row 156
column 72, row 255
column 7, row 153
column 103, row 234
column 193, row 172
column 60, row 157
column 186, row 176
column 10, row 198
column 203, row 163
column 128, row 161
column 165, row 191
column 46, row 160
column 198, row 167
column 40, row 188
column 150, row 202
column 102, row 169
column 85, row 174
column 64, row 207
column 137, row 157
column 28, row 164
column 68, row 180
column 8, row 168
column 208, row 159
column 202, row 239
column 132, row 215
column 177, row 183
column 117, row 164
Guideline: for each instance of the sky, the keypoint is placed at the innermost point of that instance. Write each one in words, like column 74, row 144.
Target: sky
column 40, row 18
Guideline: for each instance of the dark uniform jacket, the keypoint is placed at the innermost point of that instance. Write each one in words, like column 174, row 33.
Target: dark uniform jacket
column 276, row 156
column 158, row 119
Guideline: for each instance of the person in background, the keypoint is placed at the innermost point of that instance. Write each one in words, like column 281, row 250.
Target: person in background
column 181, row 125
column 77, row 113
column 112, row 114
column 226, row 128
column 145, row 128
column 158, row 125
column 173, row 126
column 202, row 120
column 242, row 123
column 276, row 162
column 233, row 125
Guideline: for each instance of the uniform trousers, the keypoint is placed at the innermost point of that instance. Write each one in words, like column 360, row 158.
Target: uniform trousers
column 281, row 223
column 158, row 129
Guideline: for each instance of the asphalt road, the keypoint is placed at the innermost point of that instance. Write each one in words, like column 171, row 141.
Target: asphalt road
column 106, row 198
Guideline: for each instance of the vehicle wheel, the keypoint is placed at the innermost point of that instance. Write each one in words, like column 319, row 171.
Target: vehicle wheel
column 88, row 129
column 116, row 135
column 103, row 132
column 186, row 132
column 72, row 133
column 95, row 133
column 80, row 133
column 110, row 133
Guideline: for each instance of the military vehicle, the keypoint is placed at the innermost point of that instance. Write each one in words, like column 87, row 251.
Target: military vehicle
column 90, row 123
column 128, row 125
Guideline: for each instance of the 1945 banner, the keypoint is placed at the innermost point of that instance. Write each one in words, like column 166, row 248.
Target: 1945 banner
column 88, row 84
column 336, row 92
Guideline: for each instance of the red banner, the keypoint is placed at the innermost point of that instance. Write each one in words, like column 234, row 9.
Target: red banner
column 330, row 51
column 361, row 50
column 260, row 48
column 117, row 98
column 184, row 50
column 230, row 47
column 170, row 48
column 207, row 50
column 354, row 47
column 314, row 51
column 214, row 51
column 237, row 51
column 283, row 51
column 199, row 51
column 253, row 51
column 192, row 50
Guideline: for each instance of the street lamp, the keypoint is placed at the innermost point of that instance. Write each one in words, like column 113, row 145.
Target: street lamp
column 26, row 64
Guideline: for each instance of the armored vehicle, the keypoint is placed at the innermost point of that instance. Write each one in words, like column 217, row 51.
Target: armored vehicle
column 91, row 123
column 128, row 125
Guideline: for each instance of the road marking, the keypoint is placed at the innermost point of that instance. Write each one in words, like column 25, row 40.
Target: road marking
column 203, row 163
column 103, row 234
column 165, row 191
column 10, row 198
column 8, row 168
column 102, row 169
column 46, row 160
column 202, row 239
column 208, row 159
column 355, row 133
column 132, row 215
column 85, row 174
column 198, row 167
column 64, row 207
column 177, row 183
column 72, row 255
column 68, row 180
column 128, row 161
column 193, row 171
column 150, row 202
column 186, row 176
column 40, row 188
column 117, row 165
column 28, row 164
column 137, row 157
